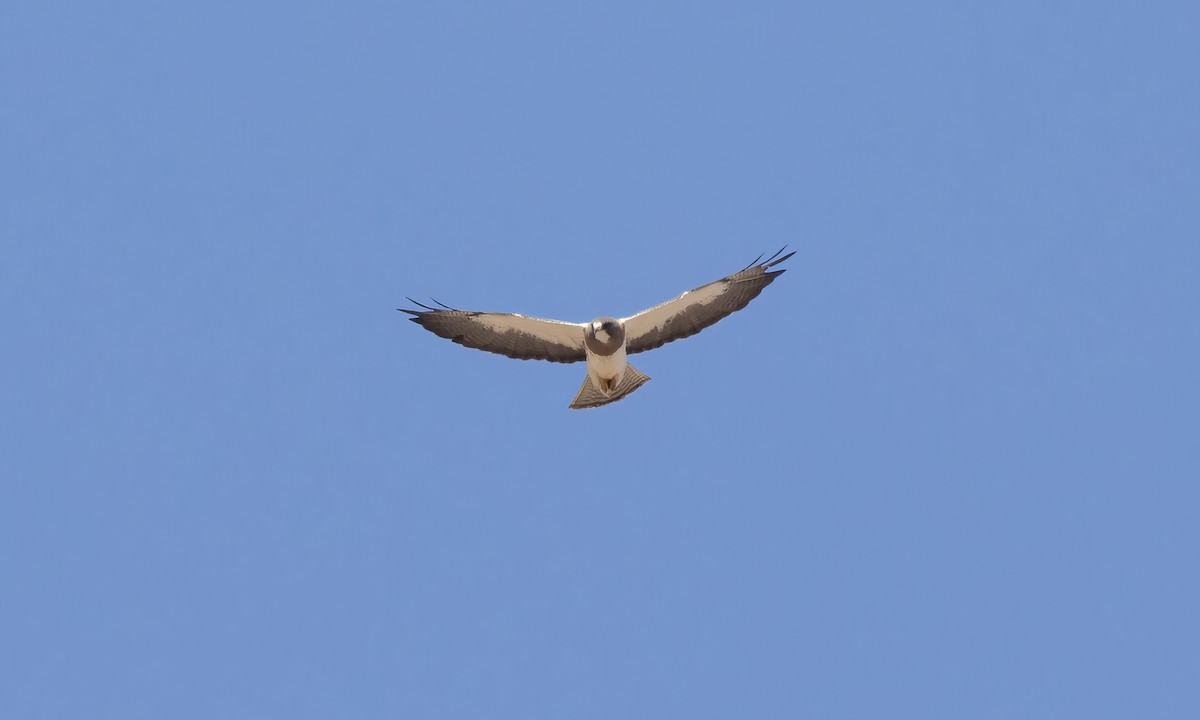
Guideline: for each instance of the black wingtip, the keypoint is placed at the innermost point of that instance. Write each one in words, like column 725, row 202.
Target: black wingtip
column 753, row 262
column 772, row 262
column 420, row 304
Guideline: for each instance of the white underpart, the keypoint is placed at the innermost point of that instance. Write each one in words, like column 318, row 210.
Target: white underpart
column 606, row 367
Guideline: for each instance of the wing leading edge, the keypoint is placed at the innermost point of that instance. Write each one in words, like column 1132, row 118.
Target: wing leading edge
column 700, row 307
column 516, row 336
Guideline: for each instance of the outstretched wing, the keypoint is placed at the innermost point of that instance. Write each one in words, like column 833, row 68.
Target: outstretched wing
column 696, row 309
column 517, row 336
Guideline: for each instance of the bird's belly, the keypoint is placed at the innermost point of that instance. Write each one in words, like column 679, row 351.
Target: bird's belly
column 606, row 371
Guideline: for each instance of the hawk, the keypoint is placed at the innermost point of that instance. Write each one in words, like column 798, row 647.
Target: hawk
column 606, row 342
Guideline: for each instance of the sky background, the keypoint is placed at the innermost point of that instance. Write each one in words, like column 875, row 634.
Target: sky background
column 945, row 467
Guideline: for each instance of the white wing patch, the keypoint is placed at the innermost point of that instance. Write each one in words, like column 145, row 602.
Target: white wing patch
column 658, row 316
column 696, row 309
column 517, row 336
column 555, row 331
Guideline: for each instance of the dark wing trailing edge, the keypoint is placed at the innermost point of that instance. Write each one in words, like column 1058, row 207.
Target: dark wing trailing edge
column 698, row 308
column 517, row 336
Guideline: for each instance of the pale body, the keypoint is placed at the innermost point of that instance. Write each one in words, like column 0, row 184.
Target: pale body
column 606, row 371
column 605, row 343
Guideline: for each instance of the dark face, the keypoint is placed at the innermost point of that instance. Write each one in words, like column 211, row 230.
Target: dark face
column 605, row 335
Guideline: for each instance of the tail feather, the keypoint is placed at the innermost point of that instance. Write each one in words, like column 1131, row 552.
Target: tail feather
column 590, row 396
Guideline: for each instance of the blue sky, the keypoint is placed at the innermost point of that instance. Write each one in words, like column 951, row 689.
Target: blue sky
column 945, row 467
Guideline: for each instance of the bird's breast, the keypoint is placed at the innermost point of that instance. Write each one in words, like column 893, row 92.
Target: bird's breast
column 606, row 366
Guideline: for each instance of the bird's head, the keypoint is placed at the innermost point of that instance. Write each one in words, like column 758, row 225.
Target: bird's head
column 605, row 329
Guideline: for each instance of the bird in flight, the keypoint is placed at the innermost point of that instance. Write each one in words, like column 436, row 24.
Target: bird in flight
column 606, row 342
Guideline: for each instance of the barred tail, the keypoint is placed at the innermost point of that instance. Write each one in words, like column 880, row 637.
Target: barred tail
column 590, row 396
